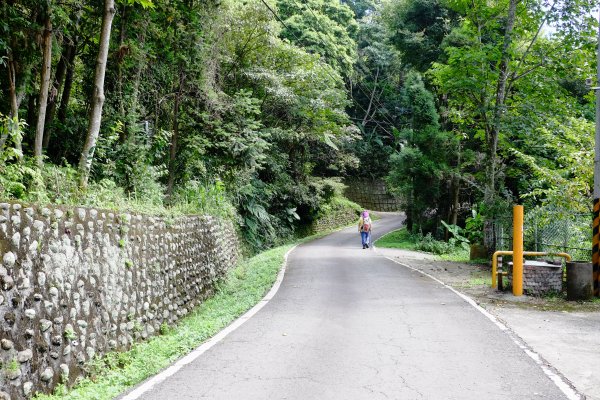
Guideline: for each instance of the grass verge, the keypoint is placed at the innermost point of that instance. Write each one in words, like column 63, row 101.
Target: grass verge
column 458, row 255
column 400, row 239
column 476, row 278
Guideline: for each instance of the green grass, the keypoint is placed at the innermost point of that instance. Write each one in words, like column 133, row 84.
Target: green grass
column 459, row 255
column 402, row 239
column 399, row 239
column 339, row 205
column 480, row 278
column 241, row 290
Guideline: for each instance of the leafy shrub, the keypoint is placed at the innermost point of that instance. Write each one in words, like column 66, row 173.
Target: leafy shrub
column 457, row 238
column 428, row 244
column 203, row 198
column 474, row 227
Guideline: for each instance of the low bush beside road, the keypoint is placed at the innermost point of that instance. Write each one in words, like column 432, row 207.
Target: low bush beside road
column 402, row 239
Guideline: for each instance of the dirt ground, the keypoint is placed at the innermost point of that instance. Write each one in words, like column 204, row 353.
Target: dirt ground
column 474, row 280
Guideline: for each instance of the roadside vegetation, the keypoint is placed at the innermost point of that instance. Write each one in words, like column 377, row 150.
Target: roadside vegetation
column 398, row 239
column 474, row 279
column 254, row 109
column 451, row 250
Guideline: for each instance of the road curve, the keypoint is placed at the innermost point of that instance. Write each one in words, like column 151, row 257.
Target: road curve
column 348, row 323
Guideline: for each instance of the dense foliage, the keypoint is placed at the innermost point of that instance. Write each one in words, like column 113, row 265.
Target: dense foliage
column 258, row 109
column 202, row 100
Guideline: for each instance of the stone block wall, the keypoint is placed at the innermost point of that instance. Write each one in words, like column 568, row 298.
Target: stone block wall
column 76, row 283
column 539, row 278
column 335, row 220
column 372, row 195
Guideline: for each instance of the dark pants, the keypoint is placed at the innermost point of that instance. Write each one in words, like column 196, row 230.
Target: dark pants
column 365, row 238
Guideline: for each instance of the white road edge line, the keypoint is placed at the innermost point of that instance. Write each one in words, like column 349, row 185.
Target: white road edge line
column 161, row 376
column 558, row 380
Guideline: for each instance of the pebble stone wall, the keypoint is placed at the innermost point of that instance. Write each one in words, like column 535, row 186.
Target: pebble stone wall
column 372, row 195
column 77, row 283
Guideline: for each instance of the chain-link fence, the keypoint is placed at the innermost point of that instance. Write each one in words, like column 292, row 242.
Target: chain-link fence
column 550, row 230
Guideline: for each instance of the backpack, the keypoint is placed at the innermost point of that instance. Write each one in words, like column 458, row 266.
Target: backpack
column 366, row 224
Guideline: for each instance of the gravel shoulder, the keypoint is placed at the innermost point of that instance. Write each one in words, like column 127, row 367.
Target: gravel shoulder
column 565, row 334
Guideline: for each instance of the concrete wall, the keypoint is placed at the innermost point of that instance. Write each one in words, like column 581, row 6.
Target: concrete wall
column 372, row 195
column 76, row 283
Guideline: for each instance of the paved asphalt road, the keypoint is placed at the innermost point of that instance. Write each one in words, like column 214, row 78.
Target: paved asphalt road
column 348, row 323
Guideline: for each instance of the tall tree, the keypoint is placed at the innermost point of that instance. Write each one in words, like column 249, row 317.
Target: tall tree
column 487, row 56
column 419, row 169
column 20, row 19
column 87, row 154
column 374, row 88
column 492, row 130
column 44, row 83
column 417, row 29
column 325, row 27
column 63, row 77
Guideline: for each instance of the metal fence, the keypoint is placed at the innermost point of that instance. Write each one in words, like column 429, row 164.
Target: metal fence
column 550, row 230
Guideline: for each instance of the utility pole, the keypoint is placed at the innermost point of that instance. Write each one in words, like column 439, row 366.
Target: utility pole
column 596, row 222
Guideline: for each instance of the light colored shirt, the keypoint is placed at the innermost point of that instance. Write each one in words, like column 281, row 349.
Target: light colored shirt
column 361, row 223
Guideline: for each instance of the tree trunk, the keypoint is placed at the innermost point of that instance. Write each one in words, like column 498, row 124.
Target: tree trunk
column 44, row 86
column 87, row 155
column 455, row 200
column 61, row 70
column 70, row 54
column 31, row 116
column 138, row 75
column 66, row 93
column 368, row 112
column 410, row 214
column 120, row 59
column 456, row 191
column 493, row 131
column 14, row 103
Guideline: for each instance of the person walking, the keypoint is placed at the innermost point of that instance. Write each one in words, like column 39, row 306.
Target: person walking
column 364, row 227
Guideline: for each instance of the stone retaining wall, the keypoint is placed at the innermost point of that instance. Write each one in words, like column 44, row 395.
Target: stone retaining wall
column 372, row 195
column 335, row 220
column 77, row 283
